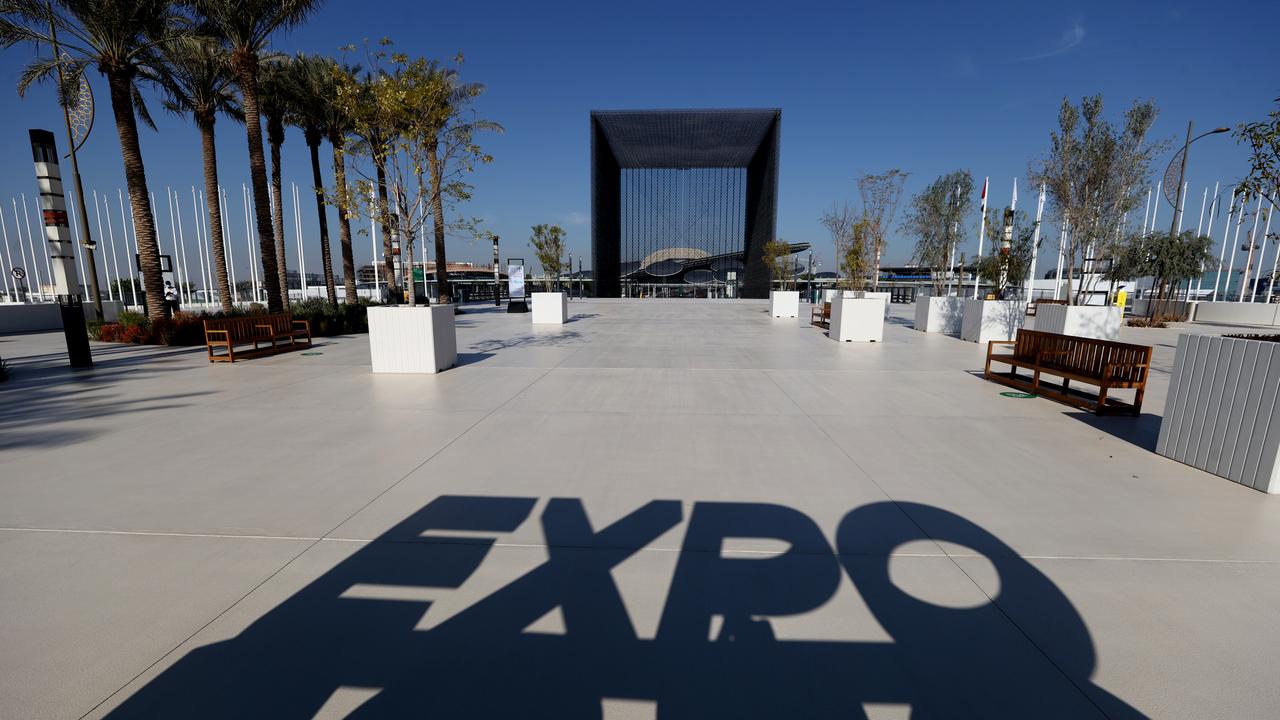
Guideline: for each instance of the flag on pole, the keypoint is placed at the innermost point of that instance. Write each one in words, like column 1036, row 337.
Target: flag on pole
column 1013, row 204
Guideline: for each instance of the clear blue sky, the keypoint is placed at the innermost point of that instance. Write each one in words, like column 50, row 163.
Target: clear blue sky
column 926, row 87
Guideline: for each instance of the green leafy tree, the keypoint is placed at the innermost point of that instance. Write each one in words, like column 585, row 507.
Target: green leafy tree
column 548, row 246
column 246, row 27
column 936, row 218
column 1169, row 259
column 777, row 257
column 195, row 77
column 1263, row 139
column 857, row 260
column 312, row 82
column 881, row 195
column 1094, row 172
column 1011, row 267
column 117, row 38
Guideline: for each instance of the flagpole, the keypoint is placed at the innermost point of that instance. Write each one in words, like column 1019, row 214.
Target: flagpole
column 48, row 263
column 124, row 230
column 1146, row 213
column 248, row 243
column 106, row 266
column 373, row 247
column 1155, row 210
column 1253, row 234
column 1062, row 257
column 1035, row 247
column 10, row 282
column 229, row 246
column 1235, row 244
column 31, row 243
column 1222, row 255
column 1275, row 265
column 1212, row 208
column 982, row 232
column 111, row 235
column 1262, row 257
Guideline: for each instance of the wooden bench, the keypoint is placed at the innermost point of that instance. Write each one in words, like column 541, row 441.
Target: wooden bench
column 1031, row 309
column 821, row 316
column 1107, row 364
column 269, row 330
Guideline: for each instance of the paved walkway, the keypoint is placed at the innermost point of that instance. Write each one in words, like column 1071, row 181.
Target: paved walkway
column 662, row 509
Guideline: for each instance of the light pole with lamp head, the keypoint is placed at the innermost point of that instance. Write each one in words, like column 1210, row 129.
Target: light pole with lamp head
column 1182, row 172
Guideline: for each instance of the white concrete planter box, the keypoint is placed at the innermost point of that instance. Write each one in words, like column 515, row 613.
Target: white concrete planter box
column 857, row 320
column 1102, row 323
column 550, row 308
column 884, row 296
column 1237, row 312
column 939, row 315
column 406, row 339
column 784, row 303
column 987, row 320
column 1222, row 413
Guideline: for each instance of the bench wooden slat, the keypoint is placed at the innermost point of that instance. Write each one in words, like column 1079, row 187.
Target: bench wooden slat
column 257, row 329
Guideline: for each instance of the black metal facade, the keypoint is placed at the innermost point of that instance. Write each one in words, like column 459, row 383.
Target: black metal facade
column 683, row 194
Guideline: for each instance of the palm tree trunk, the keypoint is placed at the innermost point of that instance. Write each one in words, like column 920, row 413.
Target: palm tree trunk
column 275, row 138
column 135, row 176
column 246, row 70
column 344, row 222
column 210, row 156
column 317, row 188
column 388, row 258
column 437, row 217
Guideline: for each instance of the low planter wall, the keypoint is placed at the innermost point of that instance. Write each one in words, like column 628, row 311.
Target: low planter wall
column 1088, row 321
column 1179, row 311
column 1237, row 312
column 1222, row 413
column 939, row 315
column 39, row 317
column 550, row 308
column 987, row 320
column 412, row 339
column 857, row 320
column 784, row 303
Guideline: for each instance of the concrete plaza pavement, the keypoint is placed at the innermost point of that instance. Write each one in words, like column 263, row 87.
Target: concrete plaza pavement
column 660, row 509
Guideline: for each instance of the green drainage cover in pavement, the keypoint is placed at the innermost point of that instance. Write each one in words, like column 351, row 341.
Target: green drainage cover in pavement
column 1006, row 394
column 313, row 353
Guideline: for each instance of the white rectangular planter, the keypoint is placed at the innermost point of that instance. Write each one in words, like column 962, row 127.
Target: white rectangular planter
column 886, row 297
column 1222, row 413
column 857, row 320
column 1102, row 323
column 939, row 315
column 406, row 339
column 1237, row 312
column 987, row 320
column 784, row 303
column 550, row 308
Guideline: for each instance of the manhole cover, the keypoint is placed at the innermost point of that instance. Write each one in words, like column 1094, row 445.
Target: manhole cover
column 312, row 353
column 1006, row 394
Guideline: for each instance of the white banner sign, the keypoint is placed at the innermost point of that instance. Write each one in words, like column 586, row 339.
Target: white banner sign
column 515, row 281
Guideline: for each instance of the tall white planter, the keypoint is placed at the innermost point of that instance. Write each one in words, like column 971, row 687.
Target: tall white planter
column 1222, row 413
column 884, row 296
column 987, row 320
column 1087, row 321
column 939, row 315
column 412, row 339
column 857, row 320
column 550, row 308
column 784, row 303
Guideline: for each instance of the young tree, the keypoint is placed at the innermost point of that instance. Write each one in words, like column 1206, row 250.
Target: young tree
column 856, row 260
column 547, row 242
column 1093, row 173
column 1168, row 259
column 839, row 222
column 1003, row 269
column 880, row 197
column 116, row 38
column 936, row 218
column 1263, row 139
column 195, row 77
column 777, row 257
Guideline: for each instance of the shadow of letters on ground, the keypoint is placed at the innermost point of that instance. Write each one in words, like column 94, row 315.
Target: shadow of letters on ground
column 714, row 654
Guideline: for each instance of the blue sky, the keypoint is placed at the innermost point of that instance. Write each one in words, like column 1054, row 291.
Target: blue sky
column 925, row 87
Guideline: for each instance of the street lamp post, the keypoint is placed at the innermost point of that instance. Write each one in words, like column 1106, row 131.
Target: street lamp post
column 1182, row 172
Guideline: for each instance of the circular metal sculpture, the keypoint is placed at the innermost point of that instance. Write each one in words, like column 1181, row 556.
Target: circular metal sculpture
column 700, row 276
column 80, row 108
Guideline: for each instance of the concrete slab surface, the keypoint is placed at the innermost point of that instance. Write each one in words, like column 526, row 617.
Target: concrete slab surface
column 675, row 509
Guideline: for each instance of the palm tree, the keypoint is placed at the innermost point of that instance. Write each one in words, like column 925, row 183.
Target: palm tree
column 276, row 105
column 312, row 88
column 196, row 80
column 338, row 125
column 117, row 37
column 246, row 26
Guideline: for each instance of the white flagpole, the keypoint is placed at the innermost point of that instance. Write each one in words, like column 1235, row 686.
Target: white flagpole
column 133, row 226
column 297, row 231
column 982, row 232
column 173, row 232
column 23, row 248
column 1146, row 213
column 185, row 266
column 1062, row 258
column 35, row 257
column 208, row 246
column 1235, row 245
column 229, row 247
column 106, row 266
column 1222, row 254
column 1253, row 234
column 195, row 212
column 1262, row 257
column 1186, row 187
column 248, row 241
column 373, row 246
column 48, row 263
column 124, row 230
column 1275, row 265
column 1200, row 233
column 75, row 227
column 10, row 281
column 1035, row 246
column 111, row 236
column 1155, row 209
column 1212, row 209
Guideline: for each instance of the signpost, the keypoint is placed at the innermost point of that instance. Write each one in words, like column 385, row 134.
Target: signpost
column 515, row 286
column 57, row 235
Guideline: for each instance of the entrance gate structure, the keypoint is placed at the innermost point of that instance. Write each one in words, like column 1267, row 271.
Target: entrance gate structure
column 683, row 197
